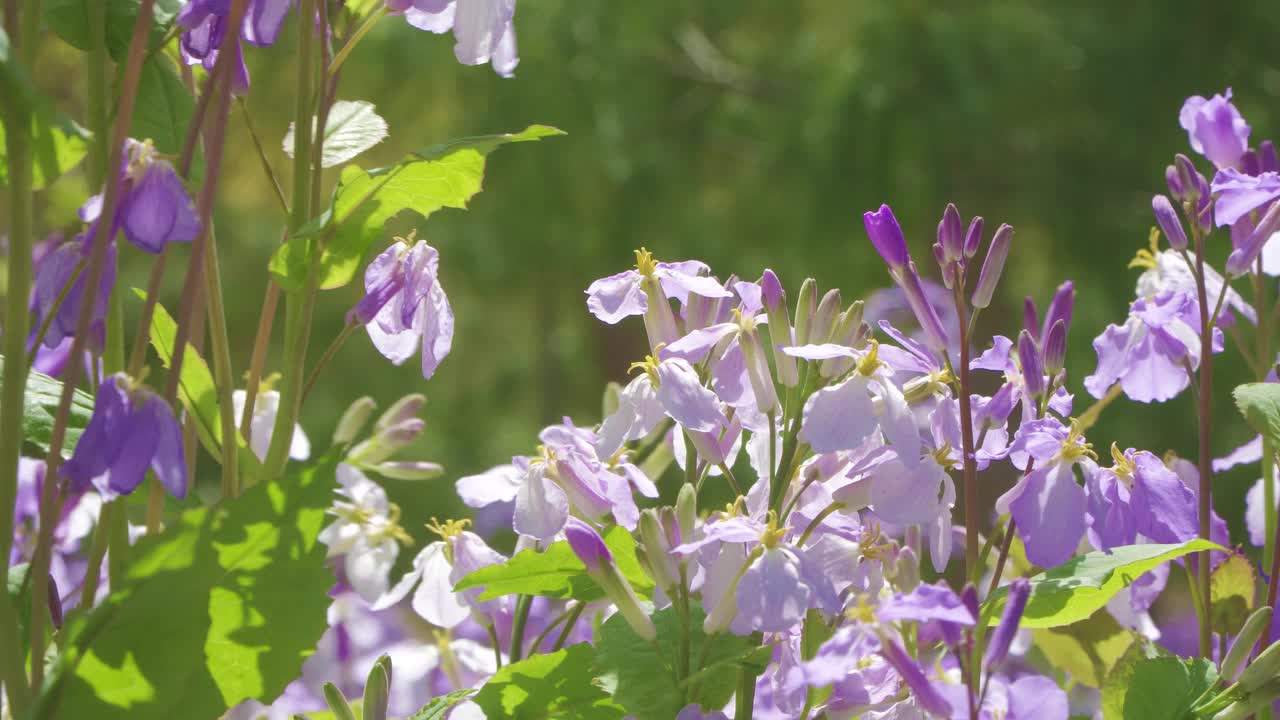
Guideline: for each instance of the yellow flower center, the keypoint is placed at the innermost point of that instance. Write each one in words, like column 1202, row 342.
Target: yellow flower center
column 645, row 263
column 649, row 365
column 772, row 534
column 1072, row 448
column 871, row 361
column 1146, row 257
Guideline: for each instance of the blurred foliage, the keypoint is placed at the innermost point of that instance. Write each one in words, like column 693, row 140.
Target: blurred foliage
column 750, row 133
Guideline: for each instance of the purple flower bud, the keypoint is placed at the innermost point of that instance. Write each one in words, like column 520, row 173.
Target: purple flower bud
column 1170, row 224
column 1190, row 179
column 926, row 696
column 1030, row 316
column 1064, row 299
column 993, row 266
column 55, row 602
column 969, row 596
column 950, row 238
column 587, row 545
column 771, row 291
column 973, row 238
column 1267, row 159
column 886, row 236
column 406, row 408
column 1242, row 258
column 1174, row 181
column 1054, row 352
column 806, row 302
column 780, row 335
column 1002, row 638
column 1032, row 372
column 1250, row 164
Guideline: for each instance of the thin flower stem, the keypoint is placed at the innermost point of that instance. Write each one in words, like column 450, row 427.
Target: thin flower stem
column 258, row 358
column 813, row 525
column 220, row 351
column 97, row 551
column 1003, row 557
column 970, row 473
column 542, row 636
column 568, row 626
column 142, row 337
column 1204, row 408
column 355, row 39
column 50, row 501
column 516, row 651
column 329, row 353
column 262, row 155
column 493, row 639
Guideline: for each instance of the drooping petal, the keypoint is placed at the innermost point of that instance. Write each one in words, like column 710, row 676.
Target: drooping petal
column 434, row 599
column 157, row 211
column 839, row 417
column 1165, row 509
column 685, row 399
column 639, row 411
column 771, row 595
column 541, row 506
column 168, row 462
column 1050, row 514
column 437, row 330
column 616, row 297
column 495, row 485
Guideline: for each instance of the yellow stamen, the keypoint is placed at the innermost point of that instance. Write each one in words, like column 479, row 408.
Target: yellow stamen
column 1146, row 257
column 448, row 529
column 871, row 361
column 1123, row 466
column 1071, row 446
column 860, row 610
column 942, row 456
column 645, row 262
column 734, row 509
column 772, row 534
column 649, row 365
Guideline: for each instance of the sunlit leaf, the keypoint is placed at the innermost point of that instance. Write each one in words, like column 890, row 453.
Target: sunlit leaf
column 559, row 685
column 351, row 128
column 40, row 405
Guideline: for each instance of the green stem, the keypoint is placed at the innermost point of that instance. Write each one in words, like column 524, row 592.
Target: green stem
column 220, row 349
column 1204, row 408
column 568, row 626
column 1268, row 500
column 97, row 551
column 359, row 34
column 523, row 604
column 262, row 155
column 329, row 352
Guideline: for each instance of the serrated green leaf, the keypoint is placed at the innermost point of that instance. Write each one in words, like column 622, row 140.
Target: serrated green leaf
column 558, row 573
column 1165, row 688
column 40, row 404
column 1116, row 684
column 644, row 682
column 436, row 709
column 437, row 177
column 1233, row 587
column 351, row 128
column 1088, row 649
column 1260, row 405
column 1080, row 587
column 221, row 607
column 559, row 685
column 70, row 20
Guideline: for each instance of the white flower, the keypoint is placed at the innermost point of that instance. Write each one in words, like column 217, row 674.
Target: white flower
column 264, row 420
column 366, row 532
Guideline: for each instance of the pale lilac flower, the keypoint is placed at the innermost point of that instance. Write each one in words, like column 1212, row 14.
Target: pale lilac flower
column 670, row 387
column 365, row 532
column 1238, row 194
column 265, row 407
column 1255, row 510
column 132, row 430
column 1030, row 697
column 1167, row 271
column 1153, row 352
column 779, row 587
column 405, row 307
column 620, row 296
column 1047, row 503
column 205, row 22
column 484, row 30
column 909, row 671
column 1215, row 128
column 52, row 274
column 437, row 568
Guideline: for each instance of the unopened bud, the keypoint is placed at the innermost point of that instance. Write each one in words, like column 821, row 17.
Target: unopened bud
column 408, row 470
column 1174, row 181
column 1250, row 163
column 1032, row 372
column 1250, row 704
column 1014, row 605
column 1267, row 157
column 906, row 571
column 993, row 266
column 353, row 420
column 1060, row 308
column 656, row 549
column 1263, row 669
column 1030, row 317
column 406, row 408
column 587, row 544
column 846, row 330
column 377, row 691
column 1188, row 178
column 337, row 703
column 886, row 235
column 1170, row 224
column 1054, row 352
column 824, row 318
column 806, row 303
column 973, row 237
column 758, row 369
column 387, row 442
column 1242, row 258
column 1242, row 647
column 687, row 510
column 775, row 306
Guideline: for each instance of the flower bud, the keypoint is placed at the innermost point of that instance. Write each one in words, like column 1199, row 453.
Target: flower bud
column 1250, row 163
column 408, row 470
column 824, row 318
column 992, row 266
column 806, row 302
column 587, row 544
column 1267, row 157
column 1188, row 177
column 1014, row 605
column 1264, row 668
column 926, row 696
column 1242, row 647
column 1032, row 372
column 407, row 407
column 54, row 599
column 353, row 420
column 1250, row 704
column 687, row 510
column 1174, row 181
column 848, row 326
column 1054, row 352
column 377, row 690
column 926, row 315
column 1170, row 224
column 387, row 442
column 949, row 250
column 337, row 703
column 1064, row 300
column 775, row 306
column 1242, row 258
column 701, row 311
column 973, row 237
column 659, row 320
column 1030, row 317
column 757, row 367
column 886, row 235
column 906, row 571
column 655, row 550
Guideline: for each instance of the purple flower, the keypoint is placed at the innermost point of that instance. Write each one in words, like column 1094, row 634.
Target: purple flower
column 619, row 296
column 1151, row 353
column 913, row 677
column 132, row 429
column 927, row 603
column 205, row 22
column 1002, row 638
column 53, row 273
column 405, row 307
column 779, row 587
column 1255, row 510
column 1047, row 504
column 1215, row 129
column 992, row 266
column 587, row 544
column 484, row 30
column 1164, row 508
column 154, row 208
column 886, row 235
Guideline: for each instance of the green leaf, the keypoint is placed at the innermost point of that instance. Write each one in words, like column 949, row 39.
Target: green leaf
column 164, row 107
column 1089, row 649
column 423, row 182
column 1165, row 688
column 436, row 709
column 20, row 599
column 1116, row 685
column 57, row 144
column 558, row 573
column 1260, row 405
column 1233, row 587
column 40, row 405
column 70, row 20
column 221, row 607
column 1080, row 587
column 644, row 682
column 545, row 687
column 351, row 128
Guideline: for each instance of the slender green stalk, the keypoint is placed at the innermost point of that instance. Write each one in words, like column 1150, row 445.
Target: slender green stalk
column 298, row 306
column 523, row 605
column 220, row 349
column 329, row 352
column 97, row 551
column 1204, row 410
column 262, row 155
column 973, row 570
column 356, row 37
column 253, row 378
column 1268, row 500
column 568, row 626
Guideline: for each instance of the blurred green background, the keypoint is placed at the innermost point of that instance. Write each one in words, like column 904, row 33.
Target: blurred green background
column 752, row 134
